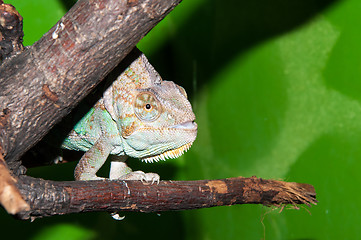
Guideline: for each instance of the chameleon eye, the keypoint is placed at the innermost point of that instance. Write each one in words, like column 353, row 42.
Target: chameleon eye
column 147, row 107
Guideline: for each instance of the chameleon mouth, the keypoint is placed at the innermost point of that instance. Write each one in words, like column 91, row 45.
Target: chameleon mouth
column 190, row 125
column 168, row 154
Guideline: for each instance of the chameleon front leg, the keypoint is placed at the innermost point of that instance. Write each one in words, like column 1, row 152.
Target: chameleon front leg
column 93, row 160
column 119, row 170
column 118, row 167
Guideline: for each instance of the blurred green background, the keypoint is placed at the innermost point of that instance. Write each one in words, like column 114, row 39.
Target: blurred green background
column 276, row 87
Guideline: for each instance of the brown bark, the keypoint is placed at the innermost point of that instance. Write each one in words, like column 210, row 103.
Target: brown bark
column 42, row 84
column 11, row 31
column 47, row 198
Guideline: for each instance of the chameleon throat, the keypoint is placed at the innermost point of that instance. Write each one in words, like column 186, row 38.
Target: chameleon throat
column 168, row 154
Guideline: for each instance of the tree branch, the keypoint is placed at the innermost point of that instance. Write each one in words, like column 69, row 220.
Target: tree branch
column 42, row 84
column 11, row 31
column 47, row 198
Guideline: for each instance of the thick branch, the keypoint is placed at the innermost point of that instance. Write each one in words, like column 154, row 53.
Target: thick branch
column 47, row 198
column 42, row 84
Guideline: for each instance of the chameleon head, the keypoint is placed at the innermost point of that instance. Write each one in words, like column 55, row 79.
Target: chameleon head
column 159, row 124
column 154, row 117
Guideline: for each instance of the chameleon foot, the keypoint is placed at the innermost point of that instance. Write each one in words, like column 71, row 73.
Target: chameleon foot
column 116, row 216
column 142, row 176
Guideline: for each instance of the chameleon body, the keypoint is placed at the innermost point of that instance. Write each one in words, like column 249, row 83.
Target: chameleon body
column 140, row 116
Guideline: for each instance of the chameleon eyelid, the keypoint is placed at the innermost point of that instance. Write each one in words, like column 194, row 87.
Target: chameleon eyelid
column 142, row 100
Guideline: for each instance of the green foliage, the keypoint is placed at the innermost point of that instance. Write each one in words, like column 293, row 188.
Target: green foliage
column 64, row 231
column 277, row 93
column 39, row 16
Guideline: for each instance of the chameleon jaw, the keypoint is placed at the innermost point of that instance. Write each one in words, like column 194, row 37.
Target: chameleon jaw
column 168, row 154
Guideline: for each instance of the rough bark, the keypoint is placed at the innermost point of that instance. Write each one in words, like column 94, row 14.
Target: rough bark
column 42, row 84
column 11, row 31
column 47, row 198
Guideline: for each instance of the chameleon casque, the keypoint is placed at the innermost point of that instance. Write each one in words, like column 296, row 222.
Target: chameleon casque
column 139, row 115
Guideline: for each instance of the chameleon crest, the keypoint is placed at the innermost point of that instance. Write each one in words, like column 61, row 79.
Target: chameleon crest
column 141, row 116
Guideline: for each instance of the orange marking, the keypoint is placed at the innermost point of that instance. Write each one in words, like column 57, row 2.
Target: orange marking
column 49, row 94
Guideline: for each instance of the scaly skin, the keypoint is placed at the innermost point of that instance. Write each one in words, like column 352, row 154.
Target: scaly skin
column 140, row 116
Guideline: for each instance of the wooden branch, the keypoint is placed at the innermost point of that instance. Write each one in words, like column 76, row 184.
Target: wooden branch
column 47, row 198
column 42, row 84
column 11, row 31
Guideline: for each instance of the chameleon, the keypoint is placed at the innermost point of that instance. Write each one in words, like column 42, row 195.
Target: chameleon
column 139, row 115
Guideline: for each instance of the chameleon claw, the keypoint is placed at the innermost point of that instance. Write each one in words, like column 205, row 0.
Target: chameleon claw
column 150, row 178
column 146, row 178
column 156, row 180
column 116, row 216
